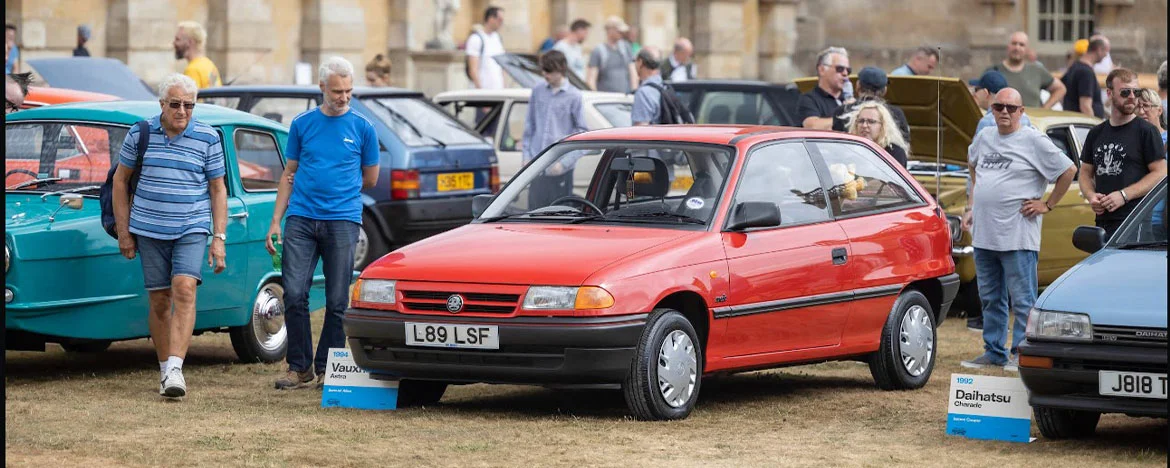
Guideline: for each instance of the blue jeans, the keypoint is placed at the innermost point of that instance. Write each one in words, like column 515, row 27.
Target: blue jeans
column 1001, row 274
column 306, row 240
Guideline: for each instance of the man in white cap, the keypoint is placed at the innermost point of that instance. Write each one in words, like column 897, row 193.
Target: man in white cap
column 611, row 65
column 83, row 34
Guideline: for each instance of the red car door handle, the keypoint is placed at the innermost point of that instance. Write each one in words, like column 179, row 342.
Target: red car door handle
column 839, row 256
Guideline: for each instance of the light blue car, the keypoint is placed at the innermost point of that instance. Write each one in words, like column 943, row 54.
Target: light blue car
column 1096, row 339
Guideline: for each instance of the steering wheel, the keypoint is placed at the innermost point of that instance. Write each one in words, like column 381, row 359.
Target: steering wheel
column 20, row 171
column 577, row 199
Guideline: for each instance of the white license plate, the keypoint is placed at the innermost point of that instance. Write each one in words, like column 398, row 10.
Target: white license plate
column 442, row 335
column 1132, row 384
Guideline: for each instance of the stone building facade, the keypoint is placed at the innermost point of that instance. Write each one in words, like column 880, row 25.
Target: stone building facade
column 261, row 41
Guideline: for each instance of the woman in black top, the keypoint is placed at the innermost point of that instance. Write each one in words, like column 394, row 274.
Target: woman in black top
column 872, row 120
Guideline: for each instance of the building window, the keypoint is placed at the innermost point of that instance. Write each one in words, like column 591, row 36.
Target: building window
column 1063, row 21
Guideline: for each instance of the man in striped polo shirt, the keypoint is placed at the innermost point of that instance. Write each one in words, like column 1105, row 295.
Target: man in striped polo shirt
column 333, row 152
column 180, row 195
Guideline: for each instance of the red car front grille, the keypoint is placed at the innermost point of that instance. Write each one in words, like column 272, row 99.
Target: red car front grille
column 473, row 302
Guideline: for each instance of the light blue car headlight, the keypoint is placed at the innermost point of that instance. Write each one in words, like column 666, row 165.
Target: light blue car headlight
column 1058, row 326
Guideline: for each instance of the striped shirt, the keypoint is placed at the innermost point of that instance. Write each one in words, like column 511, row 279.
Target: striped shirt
column 553, row 114
column 172, row 198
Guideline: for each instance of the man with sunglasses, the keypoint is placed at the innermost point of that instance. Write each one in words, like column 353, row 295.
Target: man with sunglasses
column 985, row 89
column 180, row 201
column 555, row 111
column 1010, row 169
column 1123, row 157
column 815, row 108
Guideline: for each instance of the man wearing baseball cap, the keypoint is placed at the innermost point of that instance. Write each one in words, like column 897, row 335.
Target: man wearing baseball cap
column 871, row 86
column 986, row 87
column 83, row 34
column 611, row 65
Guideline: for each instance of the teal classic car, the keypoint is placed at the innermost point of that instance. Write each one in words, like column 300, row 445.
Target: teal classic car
column 66, row 282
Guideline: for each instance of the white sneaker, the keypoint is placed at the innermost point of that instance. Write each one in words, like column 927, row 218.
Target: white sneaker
column 174, row 386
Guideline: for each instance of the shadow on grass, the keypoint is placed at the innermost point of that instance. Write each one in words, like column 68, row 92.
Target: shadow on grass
column 1143, row 436
column 121, row 358
column 608, row 404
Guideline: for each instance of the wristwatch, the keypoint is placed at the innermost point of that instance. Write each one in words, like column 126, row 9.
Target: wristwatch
column 221, row 236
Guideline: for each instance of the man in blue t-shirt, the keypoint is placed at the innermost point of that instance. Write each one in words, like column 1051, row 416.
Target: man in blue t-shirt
column 338, row 150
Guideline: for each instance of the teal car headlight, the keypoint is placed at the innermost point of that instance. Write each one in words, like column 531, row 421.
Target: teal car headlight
column 1058, row 326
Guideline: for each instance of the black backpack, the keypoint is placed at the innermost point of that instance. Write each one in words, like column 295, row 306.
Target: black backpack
column 467, row 59
column 671, row 109
column 106, row 193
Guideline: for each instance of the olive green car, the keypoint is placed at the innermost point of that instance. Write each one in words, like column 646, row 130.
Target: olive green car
column 919, row 98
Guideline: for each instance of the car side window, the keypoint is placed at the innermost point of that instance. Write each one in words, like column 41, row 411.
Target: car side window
column 1079, row 133
column 514, row 127
column 281, row 109
column 862, row 181
column 473, row 114
column 1060, row 137
column 735, row 107
column 258, row 160
column 784, row 174
column 787, row 99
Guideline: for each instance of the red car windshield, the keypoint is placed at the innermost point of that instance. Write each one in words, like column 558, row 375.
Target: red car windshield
column 649, row 183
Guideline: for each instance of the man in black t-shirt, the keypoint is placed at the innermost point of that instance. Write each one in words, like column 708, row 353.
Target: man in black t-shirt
column 1084, row 94
column 1123, row 157
column 815, row 108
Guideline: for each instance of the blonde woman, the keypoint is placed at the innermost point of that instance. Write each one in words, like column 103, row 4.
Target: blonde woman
column 1150, row 108
column 872, row 120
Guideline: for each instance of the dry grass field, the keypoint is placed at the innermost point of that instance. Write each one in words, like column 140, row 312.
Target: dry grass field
column 104, row 410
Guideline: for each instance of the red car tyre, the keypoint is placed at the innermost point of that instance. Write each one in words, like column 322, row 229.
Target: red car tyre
column 413, row 393
column 907, row 353
column 664, row 378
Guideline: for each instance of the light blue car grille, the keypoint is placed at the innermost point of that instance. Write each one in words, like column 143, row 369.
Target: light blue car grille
column 1154, row 337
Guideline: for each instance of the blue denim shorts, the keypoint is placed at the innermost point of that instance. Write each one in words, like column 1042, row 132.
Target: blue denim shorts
column 164, row 259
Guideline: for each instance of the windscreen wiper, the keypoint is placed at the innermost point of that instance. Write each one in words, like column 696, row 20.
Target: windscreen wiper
column 24, row 184
column 662, row 214
column 529, row 214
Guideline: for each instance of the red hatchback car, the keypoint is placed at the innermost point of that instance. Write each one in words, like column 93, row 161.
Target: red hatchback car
column 694, row 251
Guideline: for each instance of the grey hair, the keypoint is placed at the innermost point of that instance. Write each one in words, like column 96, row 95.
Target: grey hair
column 823, row 57
column 1162, row 75
column 182, row 81
column 334, row 66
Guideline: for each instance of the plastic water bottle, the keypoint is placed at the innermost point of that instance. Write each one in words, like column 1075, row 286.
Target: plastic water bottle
column 276, row 256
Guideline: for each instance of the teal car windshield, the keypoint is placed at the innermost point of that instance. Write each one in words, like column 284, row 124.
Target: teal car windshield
column 55, row 156
column 1147, row 226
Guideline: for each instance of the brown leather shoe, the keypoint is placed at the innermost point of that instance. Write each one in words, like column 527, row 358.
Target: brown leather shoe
column 293, row 380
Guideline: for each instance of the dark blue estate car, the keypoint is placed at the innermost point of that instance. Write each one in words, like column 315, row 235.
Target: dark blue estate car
column 432, row 165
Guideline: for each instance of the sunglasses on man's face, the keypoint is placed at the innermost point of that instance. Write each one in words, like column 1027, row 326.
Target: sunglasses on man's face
column 842, row 69
column 177, row 104
column 867, row 122
column 1001, row 107
column 1128, row 92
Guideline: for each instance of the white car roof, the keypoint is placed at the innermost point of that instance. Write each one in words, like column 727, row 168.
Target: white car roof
column 524, row 93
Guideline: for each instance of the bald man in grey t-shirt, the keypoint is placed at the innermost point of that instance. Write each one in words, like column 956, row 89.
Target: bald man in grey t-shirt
column 1010, row 167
